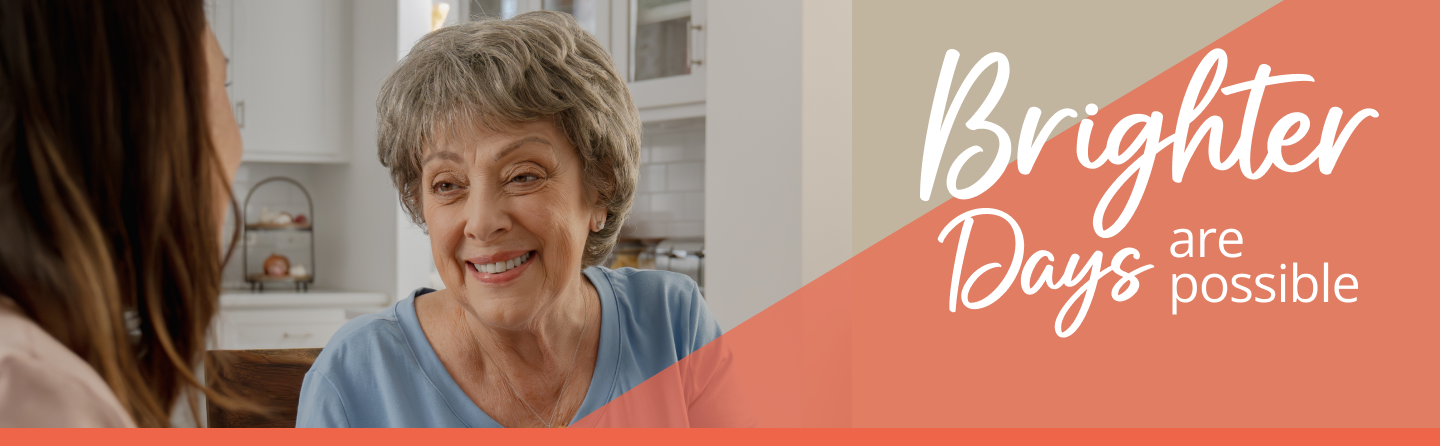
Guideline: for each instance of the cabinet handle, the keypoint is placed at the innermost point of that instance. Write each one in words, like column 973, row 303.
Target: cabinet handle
column 240, row 113
column 695, row 30
column 288, row 335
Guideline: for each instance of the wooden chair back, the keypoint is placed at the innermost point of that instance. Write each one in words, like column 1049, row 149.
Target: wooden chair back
column 268, row 378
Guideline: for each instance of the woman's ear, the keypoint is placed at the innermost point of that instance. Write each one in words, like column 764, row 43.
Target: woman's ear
column 597, row 219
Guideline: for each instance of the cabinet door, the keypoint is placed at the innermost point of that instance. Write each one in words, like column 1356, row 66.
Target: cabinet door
column 277, row 328
column 592, row 15
column 281, row 53
column 221, row 14
column 665, row 52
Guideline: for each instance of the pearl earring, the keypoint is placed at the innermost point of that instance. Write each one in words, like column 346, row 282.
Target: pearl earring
column 601, row 226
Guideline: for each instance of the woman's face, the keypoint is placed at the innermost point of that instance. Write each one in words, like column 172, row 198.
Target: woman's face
column 508, row 215
column 224, row 133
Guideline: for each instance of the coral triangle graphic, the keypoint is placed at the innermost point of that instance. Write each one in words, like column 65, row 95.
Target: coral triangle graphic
column 873, row 342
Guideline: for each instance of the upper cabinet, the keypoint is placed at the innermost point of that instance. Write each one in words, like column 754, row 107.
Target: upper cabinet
column 289, row 63
column 594, row 16
column 289, row 82
column 657, row 45
column 664, row 51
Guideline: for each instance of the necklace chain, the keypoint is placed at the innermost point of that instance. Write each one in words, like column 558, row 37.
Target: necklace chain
column 563, row 384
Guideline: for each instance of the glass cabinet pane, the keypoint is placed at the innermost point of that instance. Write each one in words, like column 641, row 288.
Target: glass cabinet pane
column 660, row 38
column 583, row 10
column 502, row 9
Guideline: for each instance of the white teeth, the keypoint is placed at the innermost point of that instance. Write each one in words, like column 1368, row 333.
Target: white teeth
column 500, row 267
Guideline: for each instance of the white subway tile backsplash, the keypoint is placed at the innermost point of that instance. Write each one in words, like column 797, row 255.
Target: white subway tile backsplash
column 687, row 176
column 643, row 228
column 652, row 178
column 695, row 153
column 668, row 206
column 668, row 147
column 670, row 197
column 670, row 139
column 641, row 205
column 686, row 229
column 695, row 145
column 666, row 154
column 693, row 207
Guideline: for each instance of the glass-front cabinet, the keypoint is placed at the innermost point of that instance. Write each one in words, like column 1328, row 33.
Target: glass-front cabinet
column 661, row 39
column 592, row 15
column 665, row 49
column 657, row 45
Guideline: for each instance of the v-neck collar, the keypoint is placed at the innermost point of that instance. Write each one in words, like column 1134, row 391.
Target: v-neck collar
column 602, row 381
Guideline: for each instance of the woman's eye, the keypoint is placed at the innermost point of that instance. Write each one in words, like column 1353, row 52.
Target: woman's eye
column 524, row 178
column 446, row 187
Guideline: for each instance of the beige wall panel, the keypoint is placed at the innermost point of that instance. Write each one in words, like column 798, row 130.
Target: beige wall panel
column 1061, row 54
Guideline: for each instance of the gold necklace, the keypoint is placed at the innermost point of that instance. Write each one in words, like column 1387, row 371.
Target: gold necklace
column 563, row 384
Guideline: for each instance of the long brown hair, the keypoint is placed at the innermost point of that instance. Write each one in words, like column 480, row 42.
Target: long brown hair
column 107, row 199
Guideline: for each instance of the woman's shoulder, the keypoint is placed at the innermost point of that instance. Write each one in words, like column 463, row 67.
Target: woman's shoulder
column 371, row 374
column 658, row 305
column 44, row 384
column 649, row 288
column 368, row 339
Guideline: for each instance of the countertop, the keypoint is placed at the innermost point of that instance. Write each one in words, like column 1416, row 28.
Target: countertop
column 240, row 299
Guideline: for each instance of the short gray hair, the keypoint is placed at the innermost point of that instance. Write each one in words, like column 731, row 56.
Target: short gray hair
column 496, row 73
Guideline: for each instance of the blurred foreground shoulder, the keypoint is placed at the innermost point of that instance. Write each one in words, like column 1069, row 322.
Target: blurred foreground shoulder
column 44, row 384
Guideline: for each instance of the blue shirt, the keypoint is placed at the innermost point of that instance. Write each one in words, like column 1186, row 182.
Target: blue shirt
column 380, row 371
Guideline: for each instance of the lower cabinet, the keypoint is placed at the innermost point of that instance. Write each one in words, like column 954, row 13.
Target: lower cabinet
column 288, row 320
column 262, row 321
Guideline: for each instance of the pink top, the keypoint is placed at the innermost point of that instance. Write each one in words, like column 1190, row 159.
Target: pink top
column 44, row 384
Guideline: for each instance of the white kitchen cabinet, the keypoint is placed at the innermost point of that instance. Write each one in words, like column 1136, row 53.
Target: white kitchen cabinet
column 594, row 16
column 249, row 321
column 221, row 15
column 657, row 45
column 662, row 53
column 289, row 81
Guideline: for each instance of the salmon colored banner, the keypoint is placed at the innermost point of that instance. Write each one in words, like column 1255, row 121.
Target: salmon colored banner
column 700, row 437
column 1281, row 277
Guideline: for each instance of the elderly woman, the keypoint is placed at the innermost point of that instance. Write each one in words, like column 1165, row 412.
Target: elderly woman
column 516, row 145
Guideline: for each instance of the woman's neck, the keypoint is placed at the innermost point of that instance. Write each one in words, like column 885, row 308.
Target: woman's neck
column 547, row 341
column 546, row 363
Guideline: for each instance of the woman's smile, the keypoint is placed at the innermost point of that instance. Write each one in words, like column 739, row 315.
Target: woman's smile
column 502, row 267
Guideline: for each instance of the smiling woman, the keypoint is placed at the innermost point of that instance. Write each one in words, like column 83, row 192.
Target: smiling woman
column 515, row 144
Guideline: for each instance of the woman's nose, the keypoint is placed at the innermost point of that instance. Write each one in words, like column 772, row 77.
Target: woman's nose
column 486, row 217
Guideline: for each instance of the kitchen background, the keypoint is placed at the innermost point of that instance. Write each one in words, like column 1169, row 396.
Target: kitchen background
column 745, row 175
column 748, row 152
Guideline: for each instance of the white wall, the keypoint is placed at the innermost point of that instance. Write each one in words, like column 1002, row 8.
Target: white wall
column 365, row 245
column 413, row 262
column 777, row 174
column 825, row 234
column 752, row 171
